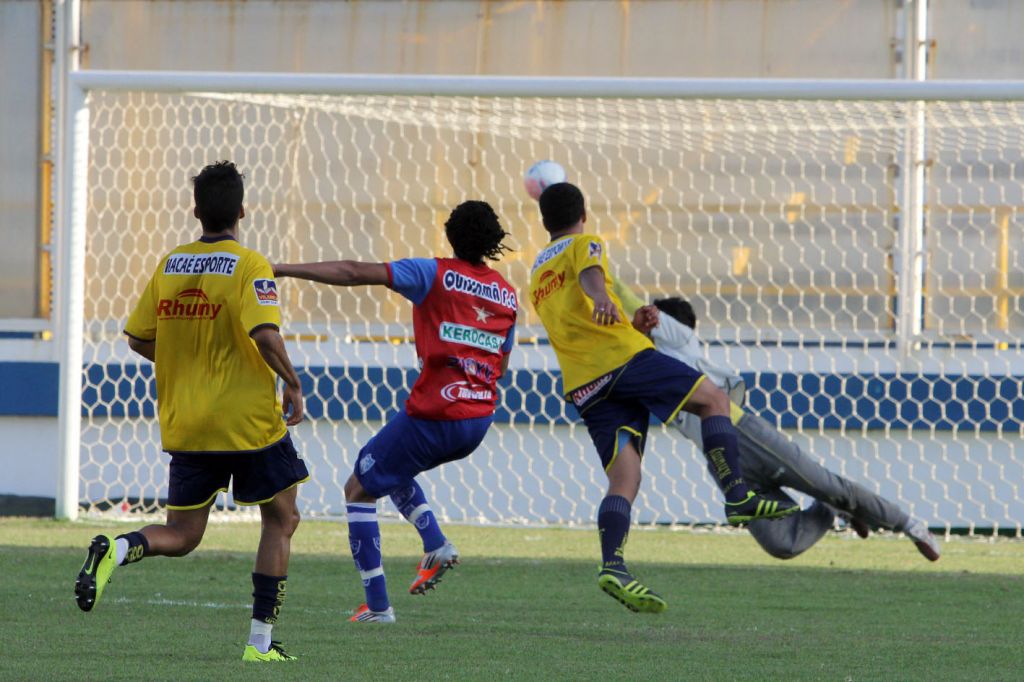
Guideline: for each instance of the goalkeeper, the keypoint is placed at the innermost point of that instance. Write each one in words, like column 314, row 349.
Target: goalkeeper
column 770, row 461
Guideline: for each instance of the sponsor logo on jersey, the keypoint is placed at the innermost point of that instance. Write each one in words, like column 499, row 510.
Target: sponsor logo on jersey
column 366, row 463
column 550, row 252
column 463, row 390
column 584, row 393
column 201, row 264
column 472, row 368
column 190, row 304
column 549, row 282
column 594, row 251
column 266, row 291
column 469, row 336
column 490, row 291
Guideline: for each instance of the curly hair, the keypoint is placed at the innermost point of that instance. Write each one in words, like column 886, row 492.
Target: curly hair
column 475, row 233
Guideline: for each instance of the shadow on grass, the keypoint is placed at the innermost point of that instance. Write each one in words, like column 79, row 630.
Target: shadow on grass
column 514, row 618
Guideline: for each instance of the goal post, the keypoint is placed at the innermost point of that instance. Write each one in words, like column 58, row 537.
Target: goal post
column 784, row 209
column 69, row 276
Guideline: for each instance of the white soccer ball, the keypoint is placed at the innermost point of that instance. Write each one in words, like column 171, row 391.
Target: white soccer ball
column 542, row 174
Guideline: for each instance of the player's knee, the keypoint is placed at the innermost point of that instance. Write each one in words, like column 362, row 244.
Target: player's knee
column 625, row 484
column 710, row 401
column 188, row 546
column 354, row 491
column 352, row 488
column 281, row 520
column 783, row 552
column 290, row 522
column 186, row 541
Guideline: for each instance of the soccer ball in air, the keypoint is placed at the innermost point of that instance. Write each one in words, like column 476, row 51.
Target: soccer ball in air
column 542, row 174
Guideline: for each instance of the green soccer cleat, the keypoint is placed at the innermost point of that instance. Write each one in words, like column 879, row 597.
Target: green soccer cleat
column 95, row 573
column 620, row 585
column 275, row 653
column 757, row 507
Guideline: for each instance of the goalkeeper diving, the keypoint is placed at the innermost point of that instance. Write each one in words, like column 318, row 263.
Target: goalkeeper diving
column 769, row 459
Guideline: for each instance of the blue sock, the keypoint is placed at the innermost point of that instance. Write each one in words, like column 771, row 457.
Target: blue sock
column 411, row 501
column 364, row 541
column 613, row 525
column 722, row 450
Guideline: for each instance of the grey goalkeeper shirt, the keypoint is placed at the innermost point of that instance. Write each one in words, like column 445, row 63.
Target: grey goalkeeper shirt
column 675, row 339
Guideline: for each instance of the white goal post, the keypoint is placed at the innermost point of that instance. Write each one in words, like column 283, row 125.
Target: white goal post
column 784, row 209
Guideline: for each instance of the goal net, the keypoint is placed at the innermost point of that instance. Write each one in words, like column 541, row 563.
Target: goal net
column 784, row 221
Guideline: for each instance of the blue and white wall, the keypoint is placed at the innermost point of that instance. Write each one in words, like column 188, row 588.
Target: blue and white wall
column 947, row 446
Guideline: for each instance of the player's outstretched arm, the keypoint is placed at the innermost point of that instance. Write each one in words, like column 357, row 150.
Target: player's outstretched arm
column 271, row 346
column 592, row 282
column 645, row 317
column 346, row 273
column 630, row 301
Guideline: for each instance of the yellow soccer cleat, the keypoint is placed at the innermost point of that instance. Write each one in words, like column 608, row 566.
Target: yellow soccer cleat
column 95, row 573
column 275, row 653
column 756, row 507
column 620, row 585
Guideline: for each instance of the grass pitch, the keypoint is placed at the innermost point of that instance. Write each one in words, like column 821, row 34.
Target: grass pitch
column 524, row 605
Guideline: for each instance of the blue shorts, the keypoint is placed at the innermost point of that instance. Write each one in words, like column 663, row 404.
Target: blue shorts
column 257, row 477
column 617, row 406
column 407, row 446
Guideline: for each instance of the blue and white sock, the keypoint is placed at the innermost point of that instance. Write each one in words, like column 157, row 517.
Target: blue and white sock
column 364, row 541
column 411, row 501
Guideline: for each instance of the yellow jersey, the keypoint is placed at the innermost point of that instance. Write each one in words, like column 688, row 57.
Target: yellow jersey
column 215, row 394
column 585, row 350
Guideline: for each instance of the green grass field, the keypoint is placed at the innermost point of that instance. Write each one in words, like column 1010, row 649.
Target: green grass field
column 524, row 605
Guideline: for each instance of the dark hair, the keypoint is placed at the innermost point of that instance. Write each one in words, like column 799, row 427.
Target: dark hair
column 474, row 232
column 561, row 206
column 218, row 194
column 679, row 308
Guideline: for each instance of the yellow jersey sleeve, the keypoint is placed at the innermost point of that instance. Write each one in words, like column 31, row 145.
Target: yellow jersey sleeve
column 259, row 304
column 142, row 322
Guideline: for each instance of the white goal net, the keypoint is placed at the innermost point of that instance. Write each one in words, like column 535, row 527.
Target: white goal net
column 784, row 222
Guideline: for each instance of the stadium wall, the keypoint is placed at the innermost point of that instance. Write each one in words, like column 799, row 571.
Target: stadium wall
column 696, row 38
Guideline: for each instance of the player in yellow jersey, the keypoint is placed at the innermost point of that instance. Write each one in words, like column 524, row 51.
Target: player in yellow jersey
column 616, row 379
column 209, row 320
